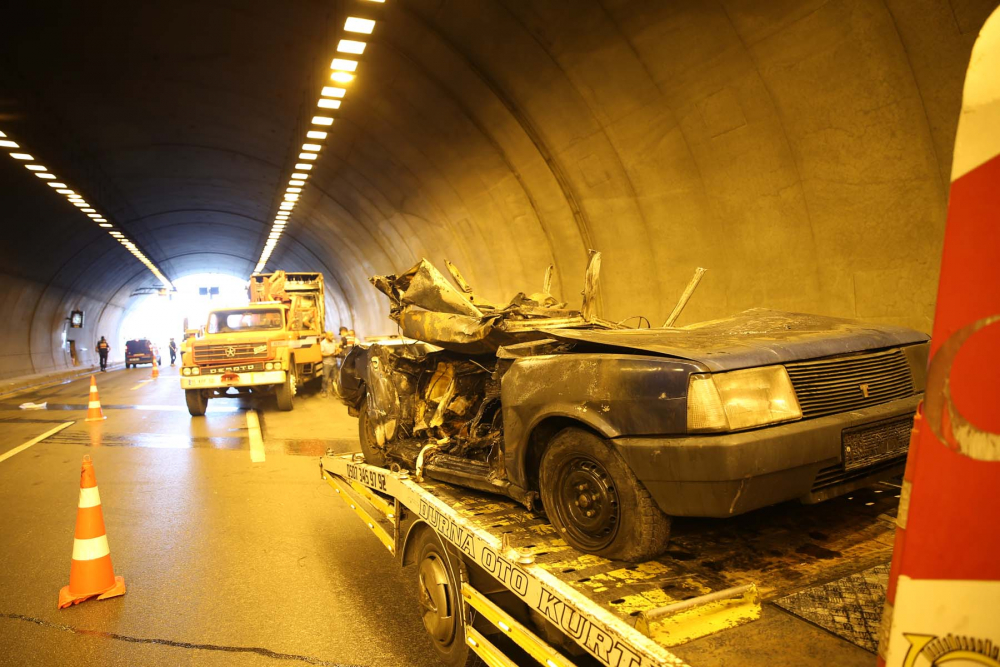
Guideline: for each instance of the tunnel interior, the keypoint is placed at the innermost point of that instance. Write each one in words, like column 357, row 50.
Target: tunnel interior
column 800, row 150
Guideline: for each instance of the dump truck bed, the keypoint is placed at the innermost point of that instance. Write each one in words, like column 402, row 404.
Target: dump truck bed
column 781, row 558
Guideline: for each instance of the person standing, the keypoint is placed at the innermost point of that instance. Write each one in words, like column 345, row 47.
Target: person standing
column 102, row 351
column 172, row 347
column 329, row 349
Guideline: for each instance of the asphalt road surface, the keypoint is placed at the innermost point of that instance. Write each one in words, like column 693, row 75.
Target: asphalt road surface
column 227, row 561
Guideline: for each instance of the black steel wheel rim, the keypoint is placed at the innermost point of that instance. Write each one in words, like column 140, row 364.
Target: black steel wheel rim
column 587, row 502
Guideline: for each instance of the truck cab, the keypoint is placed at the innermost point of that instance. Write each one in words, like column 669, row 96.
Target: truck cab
column 270, row 345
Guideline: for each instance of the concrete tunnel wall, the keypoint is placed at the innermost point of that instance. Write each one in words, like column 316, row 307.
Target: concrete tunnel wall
column 798, row 149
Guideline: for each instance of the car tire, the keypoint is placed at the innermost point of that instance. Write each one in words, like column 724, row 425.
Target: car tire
column 196, row 401
column 595, row 500
column 374, row 455
column 286, row 391
column 441, row 608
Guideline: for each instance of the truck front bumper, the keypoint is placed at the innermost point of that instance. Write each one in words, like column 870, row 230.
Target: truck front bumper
column 731, row 473
column 256, row 378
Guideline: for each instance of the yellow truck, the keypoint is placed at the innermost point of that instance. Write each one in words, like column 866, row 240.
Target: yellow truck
column 269, row 345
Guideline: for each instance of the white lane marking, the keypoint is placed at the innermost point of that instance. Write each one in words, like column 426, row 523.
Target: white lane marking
column 95, row 547
column 256, row 440
column 33, row 441
column 89, row 497
column 141, row 382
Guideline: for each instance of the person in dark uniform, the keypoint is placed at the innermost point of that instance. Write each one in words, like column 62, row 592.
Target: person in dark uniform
column 102, row 351
column 173, row 351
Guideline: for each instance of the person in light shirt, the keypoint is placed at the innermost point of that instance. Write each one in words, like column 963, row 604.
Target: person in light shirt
column 329, row 349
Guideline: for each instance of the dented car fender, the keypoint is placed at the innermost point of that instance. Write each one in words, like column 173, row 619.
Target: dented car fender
column 612, row 394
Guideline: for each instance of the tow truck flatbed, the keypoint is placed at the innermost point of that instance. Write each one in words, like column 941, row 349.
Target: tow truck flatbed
column 757, row 576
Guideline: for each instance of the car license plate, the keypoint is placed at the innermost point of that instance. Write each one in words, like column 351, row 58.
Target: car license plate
column 869, row 444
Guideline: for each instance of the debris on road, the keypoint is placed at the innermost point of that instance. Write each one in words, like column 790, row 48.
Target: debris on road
column 34, row 406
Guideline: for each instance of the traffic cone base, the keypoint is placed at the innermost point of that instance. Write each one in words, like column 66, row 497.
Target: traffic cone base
column 68, row 599
column 156, row 369
column 94, row 412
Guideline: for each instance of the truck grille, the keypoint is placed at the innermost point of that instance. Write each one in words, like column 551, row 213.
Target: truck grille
column 226, row 354
column 828, row 386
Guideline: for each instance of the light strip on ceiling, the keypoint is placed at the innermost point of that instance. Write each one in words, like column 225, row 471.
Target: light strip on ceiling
column 79, row 202
column 343, row 72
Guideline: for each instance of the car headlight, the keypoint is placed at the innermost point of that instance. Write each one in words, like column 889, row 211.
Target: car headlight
column 740, row 399
column 268, row 366
column 195, row 371
column 185, row 371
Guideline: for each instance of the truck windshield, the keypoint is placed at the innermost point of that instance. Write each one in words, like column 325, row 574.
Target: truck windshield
column 227, row 321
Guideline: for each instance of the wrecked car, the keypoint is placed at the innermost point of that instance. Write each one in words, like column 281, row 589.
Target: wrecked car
column 612, row 430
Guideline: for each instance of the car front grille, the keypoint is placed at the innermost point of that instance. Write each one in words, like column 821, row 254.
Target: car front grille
column 836, row 475
column 828, row 386
column 226, row 354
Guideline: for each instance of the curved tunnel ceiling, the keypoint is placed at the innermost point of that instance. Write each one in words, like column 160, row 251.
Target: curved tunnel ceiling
column 799, row 149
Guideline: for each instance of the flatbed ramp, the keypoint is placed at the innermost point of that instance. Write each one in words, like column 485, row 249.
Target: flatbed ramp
column 822, row 564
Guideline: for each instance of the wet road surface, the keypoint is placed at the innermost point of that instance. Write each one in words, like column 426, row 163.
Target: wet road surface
column 227, row 561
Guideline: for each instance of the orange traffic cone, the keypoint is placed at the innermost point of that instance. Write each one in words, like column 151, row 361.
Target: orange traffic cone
column 94, row 413
column 90, row 572
column 156, row 370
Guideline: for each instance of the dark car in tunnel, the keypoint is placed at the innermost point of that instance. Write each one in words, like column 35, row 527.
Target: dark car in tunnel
column 141, row 351
column 614, row 430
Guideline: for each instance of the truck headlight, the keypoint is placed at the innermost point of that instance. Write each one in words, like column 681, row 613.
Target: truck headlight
column 277, row 365
column 185, row 371
column 268, row 366
column 195, row 371
column 741, row 399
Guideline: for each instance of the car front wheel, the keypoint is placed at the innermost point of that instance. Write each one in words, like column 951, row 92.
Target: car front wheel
column 374, row 455
column 595, row 500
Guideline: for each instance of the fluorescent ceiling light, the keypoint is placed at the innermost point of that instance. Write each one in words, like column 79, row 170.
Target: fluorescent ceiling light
column 101, row 220
column 324, row 103
column 74, row 197
column 316, row 134
column 44, row 174
column 363, row 26
column 333, row 91
column 342, row 77
column 63, row 192
column 291, row 197
column 296, row 182
column 290, row 189
column 311, row 147
column 308, row 156
column 35, row 167
column 298, row 175
column 22, row 156
column 287, row 205
column 344, row 64
column 56, row 185
column 303, row 166
column 351, row 46
column 88, row 210
column 8, row 144
column 322, row 120
column 93, row 215
column 80, row 204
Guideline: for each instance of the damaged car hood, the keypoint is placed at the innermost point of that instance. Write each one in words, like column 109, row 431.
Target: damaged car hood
column 756, row 337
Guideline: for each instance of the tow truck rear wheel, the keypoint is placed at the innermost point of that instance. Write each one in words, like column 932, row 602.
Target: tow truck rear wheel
column 196, row 401
column 441, row 606
column 286, row 391
column 366, row 435
column 596, row 502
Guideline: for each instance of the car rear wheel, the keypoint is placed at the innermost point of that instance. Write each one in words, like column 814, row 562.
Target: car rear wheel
column 197, row 402
column 286, row 391
column 374, row 455
column 596, row 502
column 441, row 607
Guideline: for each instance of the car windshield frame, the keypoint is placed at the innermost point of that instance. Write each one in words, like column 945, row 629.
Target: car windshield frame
column 220, row 321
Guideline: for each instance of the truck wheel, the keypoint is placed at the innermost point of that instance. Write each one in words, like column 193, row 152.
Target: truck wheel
column 374, row 455
column 197, row 403
column 596, row 502
column 441, row 606
column 286, row 391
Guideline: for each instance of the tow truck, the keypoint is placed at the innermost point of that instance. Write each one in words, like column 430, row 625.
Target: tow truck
column 269, row 345
column 498, row 585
